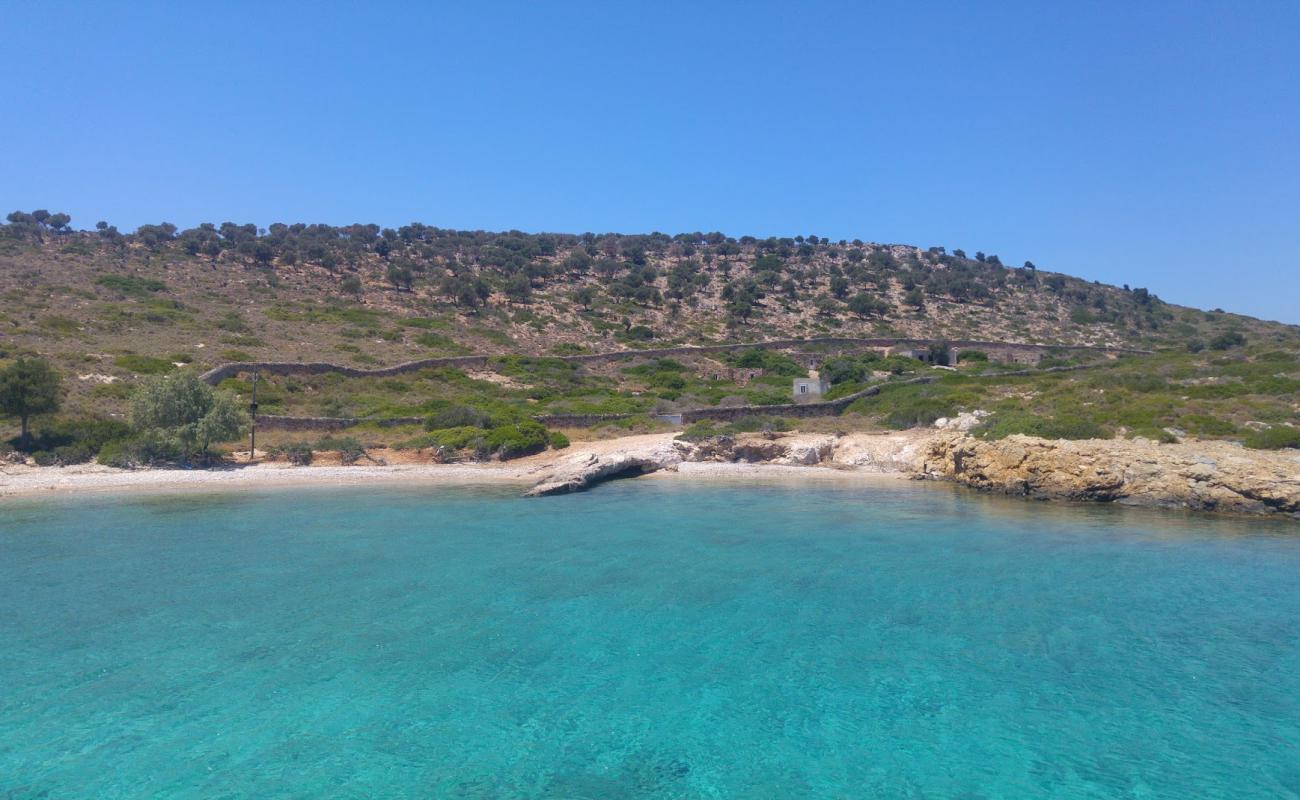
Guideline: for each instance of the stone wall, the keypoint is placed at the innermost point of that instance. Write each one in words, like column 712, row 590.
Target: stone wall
column 829, row 408
column 267, row 422
column 1006, row 350
column 579, row 420
column 218, row 374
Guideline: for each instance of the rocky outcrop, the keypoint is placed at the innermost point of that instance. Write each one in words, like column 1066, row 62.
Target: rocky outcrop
column 583, row 470
column 1197, row 475
column 792, row 450
column 1207, row 476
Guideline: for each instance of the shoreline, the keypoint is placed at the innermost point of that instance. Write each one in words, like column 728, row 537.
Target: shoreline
column 1200, row 476
column 36, row 482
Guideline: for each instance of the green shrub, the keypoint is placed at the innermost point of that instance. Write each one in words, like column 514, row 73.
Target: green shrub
column 455, row 438
column 431, row 339
column 75, row 441
column 1063, row 426
column 707, row 428
column 1227, row 340
column 770, row 361
column 144, row 365
column 457, row 416
column 1134, row 382
column 698, row 431
column 512, row 441
column 1275, row 438
column 350, row 449
column 1155, row 434
column 904, row 406
column 299, row 453
column 1206, row 425
column 558, row 440
column 117, row 390
column 139, row 450
column 117, row 454
column 973, row 355
column 131, row 284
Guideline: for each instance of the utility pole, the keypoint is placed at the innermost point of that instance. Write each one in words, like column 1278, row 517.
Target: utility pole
column 252, row 413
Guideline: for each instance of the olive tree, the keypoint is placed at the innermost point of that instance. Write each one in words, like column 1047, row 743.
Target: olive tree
column 28, row 387
column 186, row 413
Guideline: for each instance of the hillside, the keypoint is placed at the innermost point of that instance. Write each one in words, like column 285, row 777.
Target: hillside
column 109, row 308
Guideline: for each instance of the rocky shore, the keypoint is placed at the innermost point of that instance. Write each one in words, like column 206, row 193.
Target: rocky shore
column 1206, row 476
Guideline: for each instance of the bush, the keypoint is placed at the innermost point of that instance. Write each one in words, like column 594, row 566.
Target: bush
column 973, row 355
column 350, row 450
column 912, row 405
column 707, row 428
column 1206, row 425
column 64, row 442
column 512, row 441
column 1275, row 438
column 299, row 453
column 1134, row 382
column 558, row 440
column 457, row 417
column 771, row 362
column 1227, row 340
column 1064, row 426
column 456, row 438
column 144, row 365
column 117, row 454
column 141, row 450
column 131, row 284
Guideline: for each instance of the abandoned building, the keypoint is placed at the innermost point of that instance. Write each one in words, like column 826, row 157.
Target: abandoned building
column 811, row 387
column 738, row 375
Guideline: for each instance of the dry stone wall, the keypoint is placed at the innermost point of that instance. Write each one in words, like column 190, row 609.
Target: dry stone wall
column 1009, row 350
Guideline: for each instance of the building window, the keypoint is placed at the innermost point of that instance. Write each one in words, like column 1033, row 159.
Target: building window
column 803, row 388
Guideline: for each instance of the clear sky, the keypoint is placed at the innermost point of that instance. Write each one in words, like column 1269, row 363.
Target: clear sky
column 1152, row 143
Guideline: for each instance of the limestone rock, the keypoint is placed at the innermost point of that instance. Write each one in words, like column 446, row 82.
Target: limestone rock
column 1197, row 475
column 584, row 470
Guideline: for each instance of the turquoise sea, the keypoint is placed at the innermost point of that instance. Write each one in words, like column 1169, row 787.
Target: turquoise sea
column 650, row 639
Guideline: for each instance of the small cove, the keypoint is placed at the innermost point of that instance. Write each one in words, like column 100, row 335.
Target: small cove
column 650, row 639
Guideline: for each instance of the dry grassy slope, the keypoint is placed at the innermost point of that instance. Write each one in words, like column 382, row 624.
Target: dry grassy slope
column 53, row 302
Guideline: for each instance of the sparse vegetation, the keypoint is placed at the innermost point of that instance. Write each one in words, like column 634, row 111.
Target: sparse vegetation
column 114, row 311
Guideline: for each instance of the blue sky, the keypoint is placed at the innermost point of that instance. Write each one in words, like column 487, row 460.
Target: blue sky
column 1155, row 144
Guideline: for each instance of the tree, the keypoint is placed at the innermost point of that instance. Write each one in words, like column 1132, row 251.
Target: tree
column 518, row 289
column 400, row 276
column 577, row 262
column 915, row 298
column 186, row 413
column 864, row 305
column 59, row 221
column 351, row 285
column 28, row 387
column 1227, row 340
column 584, row 297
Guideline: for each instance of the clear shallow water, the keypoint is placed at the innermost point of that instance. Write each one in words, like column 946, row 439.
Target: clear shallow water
column 649, row 639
